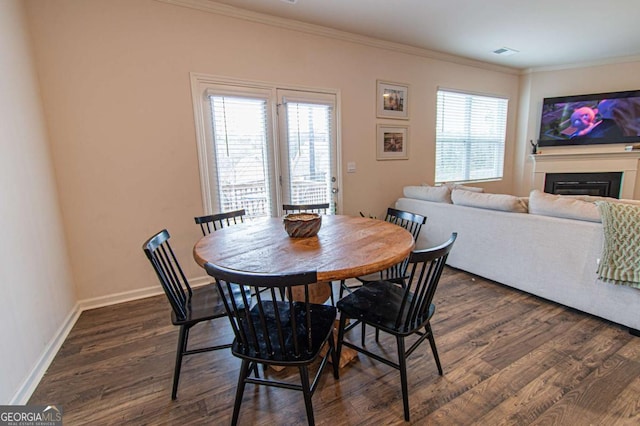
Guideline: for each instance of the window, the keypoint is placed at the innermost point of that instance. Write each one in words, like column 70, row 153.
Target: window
column 470, row 136
column 241, row 152
column 261, row 146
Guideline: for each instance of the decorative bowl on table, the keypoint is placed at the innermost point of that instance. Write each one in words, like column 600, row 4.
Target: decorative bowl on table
column 302, row 225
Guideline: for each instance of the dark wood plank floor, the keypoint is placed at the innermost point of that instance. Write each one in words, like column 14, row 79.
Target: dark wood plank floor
column 508, row 358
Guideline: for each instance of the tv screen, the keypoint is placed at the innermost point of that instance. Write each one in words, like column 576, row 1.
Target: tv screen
column 591, row 119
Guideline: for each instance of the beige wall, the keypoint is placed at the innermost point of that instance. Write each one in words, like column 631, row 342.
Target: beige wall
column 116, row 90
column 575, row 81
column 35, row 279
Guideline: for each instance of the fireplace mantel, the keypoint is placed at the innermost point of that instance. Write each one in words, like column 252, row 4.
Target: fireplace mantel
column 585, row 162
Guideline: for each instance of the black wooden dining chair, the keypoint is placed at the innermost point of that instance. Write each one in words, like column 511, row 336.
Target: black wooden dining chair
column 305, row 208
column 189, row 306
column 400, row 310
column 412, row 222
column 213, row 222
column 274, row 329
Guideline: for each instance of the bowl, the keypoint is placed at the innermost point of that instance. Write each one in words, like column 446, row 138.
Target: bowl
column 302, row 225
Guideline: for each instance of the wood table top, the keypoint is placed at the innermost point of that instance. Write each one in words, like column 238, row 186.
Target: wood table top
column 345, row 247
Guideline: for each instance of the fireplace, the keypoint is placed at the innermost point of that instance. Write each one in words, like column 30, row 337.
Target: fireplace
column 598, row 184
column 582, row 162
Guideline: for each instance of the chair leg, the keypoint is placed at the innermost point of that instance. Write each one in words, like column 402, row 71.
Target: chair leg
column 402, row 363
column 432, row 342
column 333, row 300
column 343, row 323
column 244, row 373
column 335, row 361
column 377, row 334
column 255, row 369
column 364, row 331
column 306, row 391
column 182, row 346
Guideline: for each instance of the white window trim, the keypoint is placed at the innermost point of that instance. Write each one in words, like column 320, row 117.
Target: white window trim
column 506, row 136
column 200, row 85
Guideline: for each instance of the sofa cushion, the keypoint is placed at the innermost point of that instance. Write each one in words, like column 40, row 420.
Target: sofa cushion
column 438, row 194
column 594, row 198
column 502, row 202
column 453, row 186
column 544, row 204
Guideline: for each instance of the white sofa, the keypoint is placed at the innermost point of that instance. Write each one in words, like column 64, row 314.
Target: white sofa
column 550, row 257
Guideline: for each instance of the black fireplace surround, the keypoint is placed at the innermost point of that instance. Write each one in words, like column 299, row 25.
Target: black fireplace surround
column 598, row 184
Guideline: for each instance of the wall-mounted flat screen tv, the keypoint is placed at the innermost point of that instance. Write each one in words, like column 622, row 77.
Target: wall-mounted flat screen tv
column 591, row 119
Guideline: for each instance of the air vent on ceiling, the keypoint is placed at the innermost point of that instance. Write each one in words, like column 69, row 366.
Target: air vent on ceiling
column 505, row 51
column 290, row 1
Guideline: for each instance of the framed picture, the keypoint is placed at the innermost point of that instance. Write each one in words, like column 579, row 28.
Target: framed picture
column 392, row 142
column 392, row 100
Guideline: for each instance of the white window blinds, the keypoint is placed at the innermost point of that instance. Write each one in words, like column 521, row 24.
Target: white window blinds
column 470, row 136
column 309, row 140
column 241, row 151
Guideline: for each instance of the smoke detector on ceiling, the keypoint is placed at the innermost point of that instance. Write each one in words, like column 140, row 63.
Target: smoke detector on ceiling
column 505, row 51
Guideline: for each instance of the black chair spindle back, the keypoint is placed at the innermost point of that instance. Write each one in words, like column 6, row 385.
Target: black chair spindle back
column 172, row 278
column 275, row 325
column 279, row 326
column 213, row 222
column 189, row 306
column 411, row 222
column 425, row 268
column 305, row 208
column 399, row 309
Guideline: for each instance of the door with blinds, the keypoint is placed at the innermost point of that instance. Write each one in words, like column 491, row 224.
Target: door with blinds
column 308, row 174
column 265, row 147
column 239, row 150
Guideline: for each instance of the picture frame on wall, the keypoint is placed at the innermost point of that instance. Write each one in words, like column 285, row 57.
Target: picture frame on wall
column 392, row 142
column 392, row 100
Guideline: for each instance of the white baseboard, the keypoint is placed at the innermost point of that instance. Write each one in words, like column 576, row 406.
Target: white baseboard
column 29, row 385
column 114, row 299
column 24, row 392
column 127, row 296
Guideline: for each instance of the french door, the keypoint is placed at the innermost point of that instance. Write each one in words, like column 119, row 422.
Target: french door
column 308, row 171
column 260, row 147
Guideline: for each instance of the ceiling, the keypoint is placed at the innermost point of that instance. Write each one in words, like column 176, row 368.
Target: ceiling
column 546, row 33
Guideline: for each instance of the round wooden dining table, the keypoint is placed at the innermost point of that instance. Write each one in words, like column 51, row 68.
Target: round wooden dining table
column 345, row 247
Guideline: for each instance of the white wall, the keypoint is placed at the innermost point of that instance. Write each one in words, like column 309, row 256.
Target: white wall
column 562, row 82
column 116, row 92
column 35, row 280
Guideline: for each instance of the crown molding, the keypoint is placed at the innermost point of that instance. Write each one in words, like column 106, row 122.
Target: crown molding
column 318, row 30
column 603, row 62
